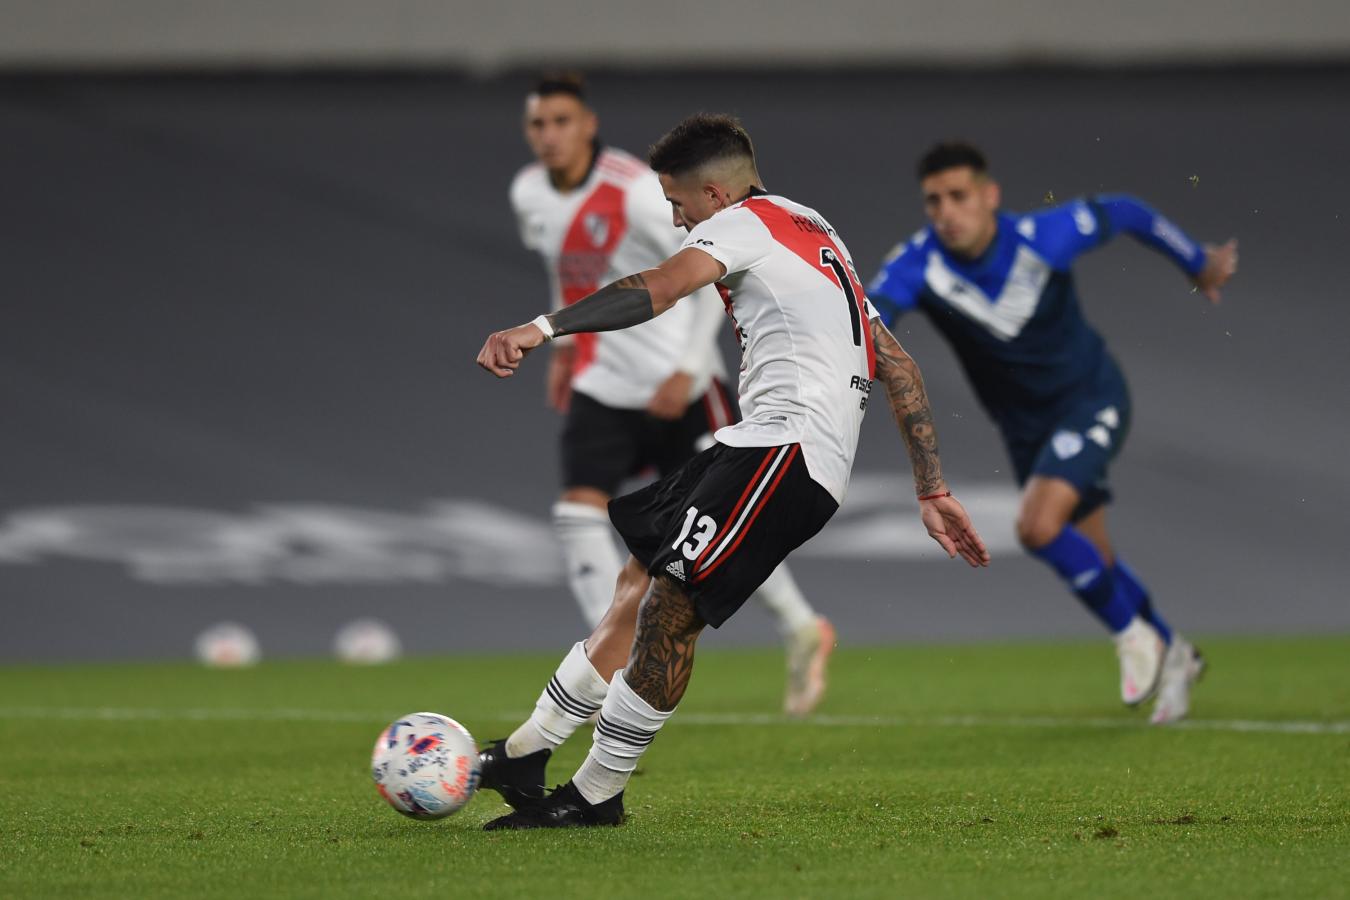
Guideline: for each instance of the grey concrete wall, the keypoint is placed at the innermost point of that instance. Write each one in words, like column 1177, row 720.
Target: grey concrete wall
column 240, row 317
column 471, row 34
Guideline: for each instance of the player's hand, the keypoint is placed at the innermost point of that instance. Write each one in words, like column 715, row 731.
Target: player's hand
column 947, row 523
column 1221, row 261
column 503, row 351
column 672, row 398
column 559, row 383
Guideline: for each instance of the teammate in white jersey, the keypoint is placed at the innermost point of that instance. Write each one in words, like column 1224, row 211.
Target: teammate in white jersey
column 704, row 538
column 646, row 397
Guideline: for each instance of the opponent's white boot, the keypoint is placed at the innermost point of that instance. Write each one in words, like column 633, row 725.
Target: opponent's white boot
column 1182, row 668
column 808, row 654
column 1141, row 651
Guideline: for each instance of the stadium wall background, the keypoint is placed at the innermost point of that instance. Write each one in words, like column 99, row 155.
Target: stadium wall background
column 235, row 369
column 482, row 37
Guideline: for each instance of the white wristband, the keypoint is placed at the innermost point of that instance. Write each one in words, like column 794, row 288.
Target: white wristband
column 544, row 325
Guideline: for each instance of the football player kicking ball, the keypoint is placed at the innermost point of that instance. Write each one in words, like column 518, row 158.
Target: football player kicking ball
column 649, row 396
column 705, row 537
column 999, row 286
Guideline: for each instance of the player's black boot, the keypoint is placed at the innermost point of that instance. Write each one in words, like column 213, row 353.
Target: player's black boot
column 564, row 808
column 520, row 781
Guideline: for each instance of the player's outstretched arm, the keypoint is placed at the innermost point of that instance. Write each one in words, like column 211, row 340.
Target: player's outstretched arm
column 1209, row 267
column 621, row 304
column 943, row 516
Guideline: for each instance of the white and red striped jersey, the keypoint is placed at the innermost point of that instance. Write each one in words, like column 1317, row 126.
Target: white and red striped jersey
column 804, row 325
column 616, row 223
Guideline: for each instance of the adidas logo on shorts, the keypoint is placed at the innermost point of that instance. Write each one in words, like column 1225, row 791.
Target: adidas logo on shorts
column 677, row 569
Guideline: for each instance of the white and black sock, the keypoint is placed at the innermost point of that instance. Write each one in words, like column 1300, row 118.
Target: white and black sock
column 627, row 726
column 784, row 599
column 572, row 695
column 589, row 553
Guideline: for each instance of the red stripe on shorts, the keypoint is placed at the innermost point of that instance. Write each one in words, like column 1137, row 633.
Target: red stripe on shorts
column 787, row 464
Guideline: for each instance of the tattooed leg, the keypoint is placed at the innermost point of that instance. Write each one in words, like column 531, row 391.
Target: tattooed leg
column 663, row 649
column 644, row 695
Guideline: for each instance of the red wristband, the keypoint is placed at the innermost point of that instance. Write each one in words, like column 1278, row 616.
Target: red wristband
column 936, row 496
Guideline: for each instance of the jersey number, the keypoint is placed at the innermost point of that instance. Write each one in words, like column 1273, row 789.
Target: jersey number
column 828, row 260
column 699, row 541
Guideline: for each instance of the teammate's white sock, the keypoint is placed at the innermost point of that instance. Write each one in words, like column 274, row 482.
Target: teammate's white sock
column 589, row 553
column 627, row 725
column 573, row 695
column 784, row 599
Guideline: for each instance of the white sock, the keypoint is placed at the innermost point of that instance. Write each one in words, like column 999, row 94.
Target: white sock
column 572, row 696
column 627, row 725
column 589, row 553
column 784, row 599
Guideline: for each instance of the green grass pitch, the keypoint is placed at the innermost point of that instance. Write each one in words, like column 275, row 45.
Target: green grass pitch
column 972, row 771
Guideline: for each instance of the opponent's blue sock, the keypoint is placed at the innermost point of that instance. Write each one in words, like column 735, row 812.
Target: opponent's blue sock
column 1137, row 596
column 1079, row 564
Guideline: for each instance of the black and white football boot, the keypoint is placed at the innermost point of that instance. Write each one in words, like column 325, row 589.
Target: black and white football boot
column 564, row 808
column 520, row 781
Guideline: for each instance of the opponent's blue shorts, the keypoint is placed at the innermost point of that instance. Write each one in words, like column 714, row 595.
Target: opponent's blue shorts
column 1080, row 441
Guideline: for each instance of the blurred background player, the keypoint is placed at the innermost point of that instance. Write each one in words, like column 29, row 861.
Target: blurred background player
column 648, row 397
column 1000, row 289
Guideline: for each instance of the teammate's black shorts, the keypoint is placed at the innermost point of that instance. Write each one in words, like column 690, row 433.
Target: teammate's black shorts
column 603, row 446
column 723, row 522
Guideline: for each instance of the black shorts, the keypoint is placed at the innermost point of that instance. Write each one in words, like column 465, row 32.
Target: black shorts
column 603, row 446
column 723, row 522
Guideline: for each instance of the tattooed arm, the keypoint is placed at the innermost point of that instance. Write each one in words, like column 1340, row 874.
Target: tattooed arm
column 622, row 304
column 897, row 370
column 942, row 514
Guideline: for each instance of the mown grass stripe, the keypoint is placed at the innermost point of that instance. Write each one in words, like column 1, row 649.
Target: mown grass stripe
column 111, row 713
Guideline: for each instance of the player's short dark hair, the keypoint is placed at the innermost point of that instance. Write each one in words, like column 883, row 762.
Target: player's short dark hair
column 552, row 83
column 700, row 139
column 951, row 155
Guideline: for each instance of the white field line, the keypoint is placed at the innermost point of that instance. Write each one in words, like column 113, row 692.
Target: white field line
column 106, row 713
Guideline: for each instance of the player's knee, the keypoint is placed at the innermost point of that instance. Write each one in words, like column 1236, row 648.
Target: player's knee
column 631, row 587
column 1035, row 529
column 587, row 496
column 633, row 571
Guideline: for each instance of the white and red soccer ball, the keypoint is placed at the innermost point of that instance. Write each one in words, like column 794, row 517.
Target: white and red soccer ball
column 228, row 645
column 367, row 642
column 425, row 765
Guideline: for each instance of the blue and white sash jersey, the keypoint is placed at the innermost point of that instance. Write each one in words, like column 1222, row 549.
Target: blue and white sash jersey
column 1012, row 315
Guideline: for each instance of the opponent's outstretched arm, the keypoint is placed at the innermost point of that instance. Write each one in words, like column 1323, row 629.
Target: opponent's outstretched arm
column 1209, row 266
column 622, row 304
column 943, row 516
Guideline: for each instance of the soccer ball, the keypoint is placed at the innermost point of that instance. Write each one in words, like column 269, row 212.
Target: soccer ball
column 425, row 765
column 366, row 642
column 227, row 645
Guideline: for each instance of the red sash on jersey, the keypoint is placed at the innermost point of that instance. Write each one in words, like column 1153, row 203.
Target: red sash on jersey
column 805, row 237
column 600, row 224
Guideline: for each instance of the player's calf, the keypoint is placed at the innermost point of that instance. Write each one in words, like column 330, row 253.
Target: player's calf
column 644, row 695
column 571, row 697
column 640, row 700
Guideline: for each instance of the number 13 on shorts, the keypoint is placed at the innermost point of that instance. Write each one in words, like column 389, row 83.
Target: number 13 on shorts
column 698, row 541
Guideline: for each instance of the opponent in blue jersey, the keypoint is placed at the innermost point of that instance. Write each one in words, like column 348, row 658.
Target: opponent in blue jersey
column 1000, row 288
